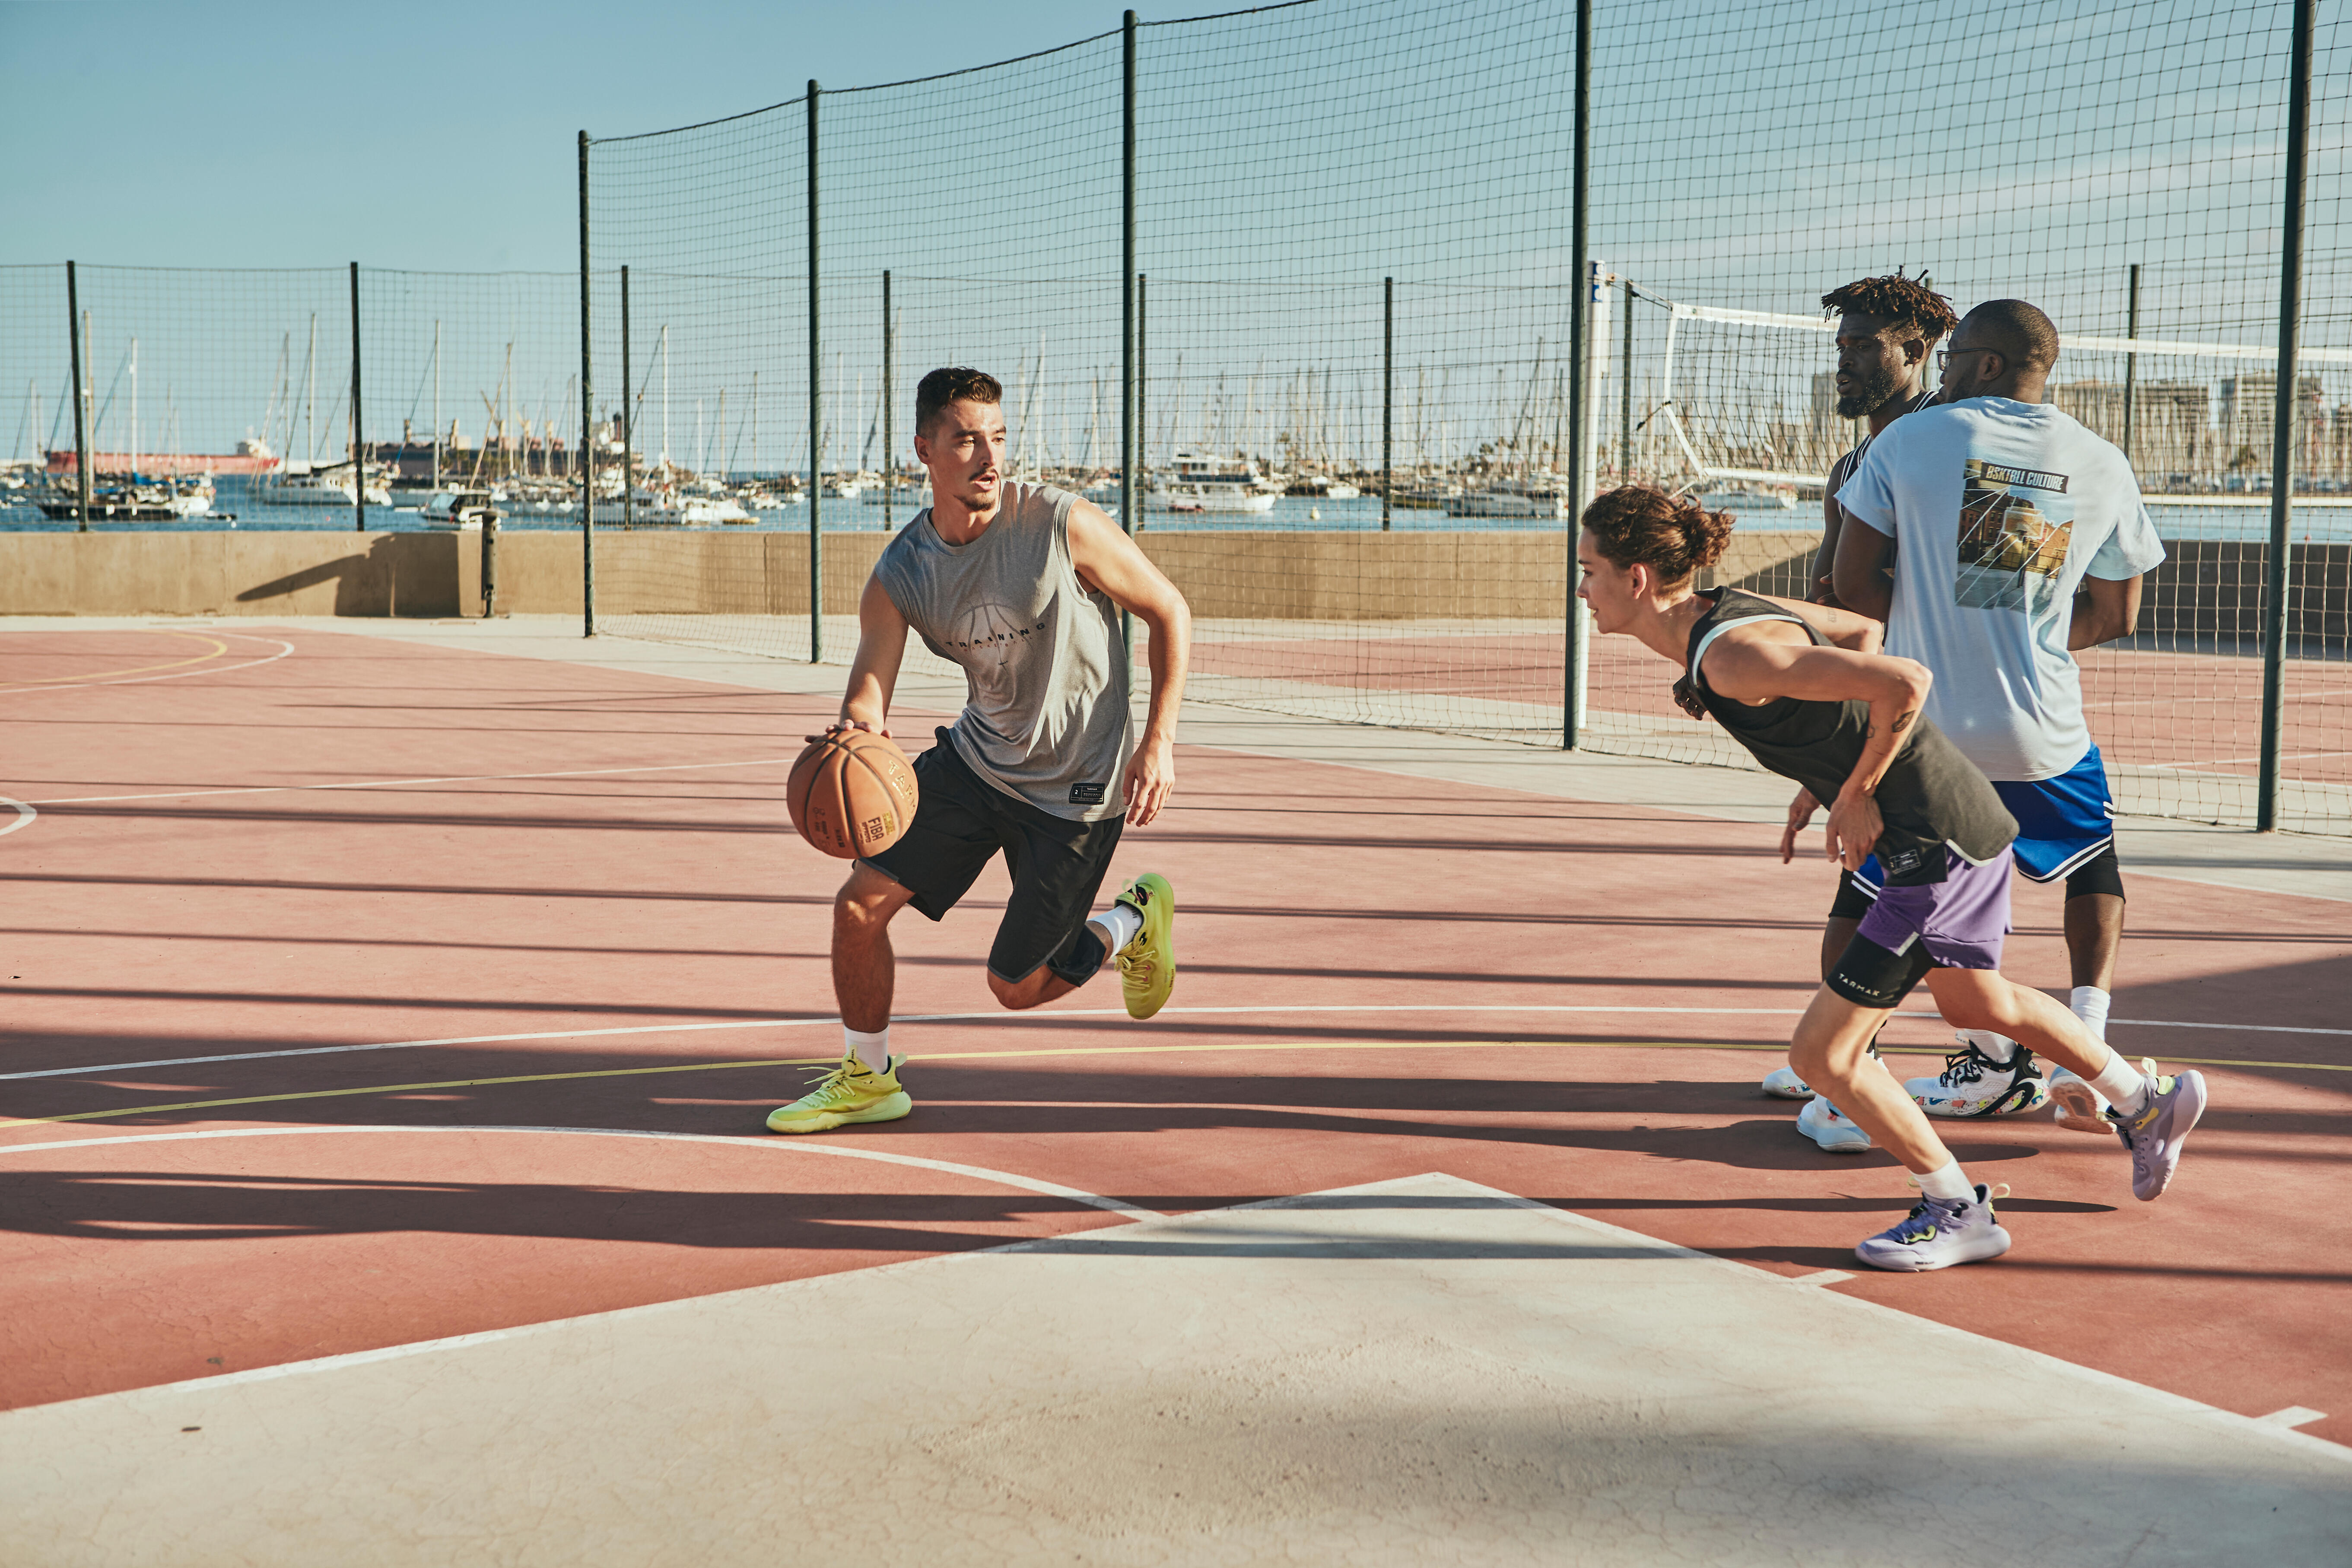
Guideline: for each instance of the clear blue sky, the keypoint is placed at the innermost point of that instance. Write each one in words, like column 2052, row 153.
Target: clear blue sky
column 417, row 135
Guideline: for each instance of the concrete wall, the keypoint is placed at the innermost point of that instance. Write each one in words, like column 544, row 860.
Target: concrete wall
column 2206, row 589
column 233, row 573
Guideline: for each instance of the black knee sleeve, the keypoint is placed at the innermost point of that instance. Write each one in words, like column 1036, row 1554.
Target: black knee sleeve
column 1851, row 903
column 1869, row 975
column 2102, row 873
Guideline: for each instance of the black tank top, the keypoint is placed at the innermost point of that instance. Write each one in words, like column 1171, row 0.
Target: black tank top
column 1933, row 800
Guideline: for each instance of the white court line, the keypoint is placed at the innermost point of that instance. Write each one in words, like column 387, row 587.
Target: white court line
column 284, row 648
column 398, row 783
column 24, row 814
column 1061, row 1013
column 775, row 1143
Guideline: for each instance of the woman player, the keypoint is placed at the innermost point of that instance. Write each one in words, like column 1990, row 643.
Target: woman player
column 1801, row 686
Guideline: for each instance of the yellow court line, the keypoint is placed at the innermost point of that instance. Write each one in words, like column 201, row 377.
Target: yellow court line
column 999, row 1056
column 219, row 648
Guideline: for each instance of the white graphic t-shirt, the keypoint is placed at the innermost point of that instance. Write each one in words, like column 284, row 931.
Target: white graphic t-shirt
column 1999, row 509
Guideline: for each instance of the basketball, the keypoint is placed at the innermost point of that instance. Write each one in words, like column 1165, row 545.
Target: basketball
column 852, row 793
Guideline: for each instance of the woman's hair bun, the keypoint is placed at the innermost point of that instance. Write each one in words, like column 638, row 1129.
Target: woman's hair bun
column 1674, row 536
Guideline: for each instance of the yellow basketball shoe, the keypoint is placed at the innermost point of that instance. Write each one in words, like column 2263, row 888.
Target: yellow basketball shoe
column 850, row 1092
column 1147, row 964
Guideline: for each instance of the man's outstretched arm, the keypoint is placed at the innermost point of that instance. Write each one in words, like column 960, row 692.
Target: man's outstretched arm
column 1112, row 563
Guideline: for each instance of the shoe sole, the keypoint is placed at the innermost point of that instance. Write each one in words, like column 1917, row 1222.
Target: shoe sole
column 2191, row 1087
column 1167, row 937
column 888, row 1110
column 1989, row 1247
column 1842, row 1146
column 2006, row 1106
column 2079, row 1110
column 1799, row 1093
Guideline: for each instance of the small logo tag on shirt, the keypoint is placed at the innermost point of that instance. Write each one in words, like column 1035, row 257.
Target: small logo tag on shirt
column 1085, row 794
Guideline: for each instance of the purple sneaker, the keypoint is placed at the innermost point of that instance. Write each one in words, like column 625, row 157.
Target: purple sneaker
column 2154, row 1134
column 1939, row 1233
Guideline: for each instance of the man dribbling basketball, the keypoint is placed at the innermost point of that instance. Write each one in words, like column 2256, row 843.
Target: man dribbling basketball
column 1021, row 586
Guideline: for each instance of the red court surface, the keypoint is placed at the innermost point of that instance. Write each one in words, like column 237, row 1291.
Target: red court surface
column 564, row 900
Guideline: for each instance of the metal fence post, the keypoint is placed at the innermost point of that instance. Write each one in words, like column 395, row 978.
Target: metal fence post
column 2298, row 146
column 1580, row 329
column 889, row 429
column 1142, row 393
column 1128, row 502
column 1625, row 393
column 80, row 402
column 587, row 425
column 2131, row 361
column 816, row 409
column 359, row 465
column 1388, row 401
column 628, row 416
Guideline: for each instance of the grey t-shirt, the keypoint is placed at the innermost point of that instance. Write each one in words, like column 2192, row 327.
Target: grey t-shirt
column 1046, row 716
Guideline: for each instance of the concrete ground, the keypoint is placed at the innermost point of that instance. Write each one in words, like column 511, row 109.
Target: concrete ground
column 1422, row 1369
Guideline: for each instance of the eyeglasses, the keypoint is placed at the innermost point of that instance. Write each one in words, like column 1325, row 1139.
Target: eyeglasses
column 1944, row 356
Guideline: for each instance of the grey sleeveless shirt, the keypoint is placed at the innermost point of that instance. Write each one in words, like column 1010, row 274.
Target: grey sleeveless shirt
column 1046, row 716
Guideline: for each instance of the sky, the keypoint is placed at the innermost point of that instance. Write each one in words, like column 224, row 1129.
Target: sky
column 1746, row 152
column 417, row 135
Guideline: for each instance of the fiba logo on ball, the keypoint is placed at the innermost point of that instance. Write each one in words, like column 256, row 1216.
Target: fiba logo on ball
column 852, row 793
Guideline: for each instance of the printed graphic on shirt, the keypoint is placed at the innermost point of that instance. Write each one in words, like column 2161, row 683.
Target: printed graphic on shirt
column 2015, row 526
column 984, row 644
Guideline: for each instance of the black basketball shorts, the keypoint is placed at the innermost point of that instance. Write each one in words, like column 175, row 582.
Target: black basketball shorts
column 1057, row 866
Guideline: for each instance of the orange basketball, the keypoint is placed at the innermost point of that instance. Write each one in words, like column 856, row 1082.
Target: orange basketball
column 852, row 793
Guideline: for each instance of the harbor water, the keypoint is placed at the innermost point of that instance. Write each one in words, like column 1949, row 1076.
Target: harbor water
column 2246, row 519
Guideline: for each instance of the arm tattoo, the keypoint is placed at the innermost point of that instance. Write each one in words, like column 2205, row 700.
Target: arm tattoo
column 1903, row 721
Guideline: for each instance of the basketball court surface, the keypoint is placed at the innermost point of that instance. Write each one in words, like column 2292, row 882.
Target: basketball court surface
column 391, row 1011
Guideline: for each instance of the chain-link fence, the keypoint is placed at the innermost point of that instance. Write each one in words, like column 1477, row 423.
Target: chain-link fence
column 218, row 398
column 1294, row 292
column 1347, row 344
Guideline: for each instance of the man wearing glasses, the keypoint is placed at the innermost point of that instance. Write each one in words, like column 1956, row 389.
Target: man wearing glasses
column 2023, row 538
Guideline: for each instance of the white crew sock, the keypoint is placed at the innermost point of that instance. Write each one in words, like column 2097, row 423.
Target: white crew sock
column 1118, row 925
column 2090, row 1004
column 2123, row 1083
column 1999, row 1047
column 873, row 1051
column 1948, row 1183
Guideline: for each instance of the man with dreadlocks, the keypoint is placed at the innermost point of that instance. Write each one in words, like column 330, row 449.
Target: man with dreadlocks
column 2023, row 538
column 1887, row 328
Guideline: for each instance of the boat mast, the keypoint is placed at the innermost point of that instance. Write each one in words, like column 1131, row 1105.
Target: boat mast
column 506, row 411
column 310, row 398
column 755, row 424
column 437, row 404
column 134, row 408
column 664, row 359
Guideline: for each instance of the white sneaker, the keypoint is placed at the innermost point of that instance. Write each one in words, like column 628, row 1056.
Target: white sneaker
column 1826, row 1125
column 2081, row 1107
column 1782, row 1082
column 1973, row 1084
